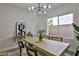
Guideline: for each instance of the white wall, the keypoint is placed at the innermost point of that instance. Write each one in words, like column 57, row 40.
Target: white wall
column 62, row 10
column 9, row 15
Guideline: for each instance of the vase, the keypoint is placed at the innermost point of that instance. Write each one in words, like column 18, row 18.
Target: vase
column 40, row 38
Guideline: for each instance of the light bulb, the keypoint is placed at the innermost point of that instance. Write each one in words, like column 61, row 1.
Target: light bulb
column 49, row 6
column 44, row 6
column 33, row 8
column 29, row 8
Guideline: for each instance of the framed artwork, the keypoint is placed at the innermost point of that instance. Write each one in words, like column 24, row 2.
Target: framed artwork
column 20, row 29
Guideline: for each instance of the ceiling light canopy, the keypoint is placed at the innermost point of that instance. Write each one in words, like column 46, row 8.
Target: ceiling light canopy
column 39, row 9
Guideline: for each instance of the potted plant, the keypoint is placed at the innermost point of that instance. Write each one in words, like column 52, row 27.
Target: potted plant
column 41, row 33
column 76, row 31
column 77, row 36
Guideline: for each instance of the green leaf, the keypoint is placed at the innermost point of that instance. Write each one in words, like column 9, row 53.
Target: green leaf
column 76, row 30
column 75, row 27
column 50, row 22
column 76, row 33
column 77, row 38
column 41, row 32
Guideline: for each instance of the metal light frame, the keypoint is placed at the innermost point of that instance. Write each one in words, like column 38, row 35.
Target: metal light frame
column 39, row 9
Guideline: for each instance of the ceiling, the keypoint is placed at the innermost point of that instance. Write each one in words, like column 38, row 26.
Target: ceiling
column 26, row 5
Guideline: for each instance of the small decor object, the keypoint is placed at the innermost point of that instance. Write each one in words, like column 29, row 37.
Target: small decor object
column 41, row 33
column 20, row 29
column 30, row 34
column 40, row 38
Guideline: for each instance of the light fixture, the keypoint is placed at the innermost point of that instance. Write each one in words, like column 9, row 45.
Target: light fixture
column 39, row 9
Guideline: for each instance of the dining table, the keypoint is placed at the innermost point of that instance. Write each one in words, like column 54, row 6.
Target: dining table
column 48, row 47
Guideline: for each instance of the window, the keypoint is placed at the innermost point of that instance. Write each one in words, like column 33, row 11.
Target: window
column 53, row 26
column 61, row 26
column 66, row 19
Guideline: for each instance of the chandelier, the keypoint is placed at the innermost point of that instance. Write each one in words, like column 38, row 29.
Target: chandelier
column 39, row 9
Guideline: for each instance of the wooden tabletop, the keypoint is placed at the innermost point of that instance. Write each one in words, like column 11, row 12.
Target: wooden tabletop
column 49, row 46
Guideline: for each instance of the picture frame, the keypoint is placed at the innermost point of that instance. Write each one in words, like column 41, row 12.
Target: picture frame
column 20, row 29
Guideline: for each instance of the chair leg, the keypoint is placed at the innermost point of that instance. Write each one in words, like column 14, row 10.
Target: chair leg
column 77, row 52
column 36, row 53
column 20, row 51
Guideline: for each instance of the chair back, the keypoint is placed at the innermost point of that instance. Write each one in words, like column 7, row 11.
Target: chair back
column 20, row 44
column 31, row 51
column 46, row 37
column 57, row 39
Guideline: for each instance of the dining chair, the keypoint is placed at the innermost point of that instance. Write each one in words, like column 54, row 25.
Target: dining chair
column 21, row 45
column 31, row 50
column 77, row 51
column 46, row 37
column 60, row 39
